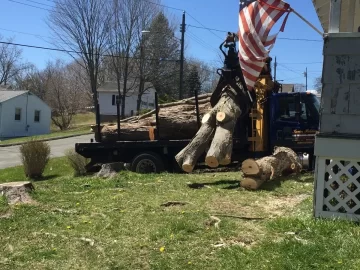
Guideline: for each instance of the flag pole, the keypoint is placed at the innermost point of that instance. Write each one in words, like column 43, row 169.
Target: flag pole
column 307, row 22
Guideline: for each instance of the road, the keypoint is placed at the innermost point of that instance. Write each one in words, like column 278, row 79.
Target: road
column 10, row 155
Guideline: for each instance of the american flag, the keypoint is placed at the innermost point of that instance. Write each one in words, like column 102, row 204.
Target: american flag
column 256, row 19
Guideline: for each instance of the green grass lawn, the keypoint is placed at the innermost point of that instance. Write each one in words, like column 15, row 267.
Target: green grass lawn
column 119, row 223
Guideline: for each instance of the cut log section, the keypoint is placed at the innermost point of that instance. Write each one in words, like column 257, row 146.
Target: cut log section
column 17, row 192
column 228, row 111
column 256, row 172
column 251, row 183
column 188, row 157
column 219, row 133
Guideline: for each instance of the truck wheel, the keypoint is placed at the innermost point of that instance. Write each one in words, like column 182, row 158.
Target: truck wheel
column 147, row 163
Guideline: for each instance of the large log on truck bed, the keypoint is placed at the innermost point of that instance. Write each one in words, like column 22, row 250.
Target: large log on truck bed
column 177, row 120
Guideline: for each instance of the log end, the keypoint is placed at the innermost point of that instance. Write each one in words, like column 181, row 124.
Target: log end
column 250, row 167
column 187, row 168
column 251, row 183
column 221, row 116
column 212, row 162
column 225, row 161
column 205, row 118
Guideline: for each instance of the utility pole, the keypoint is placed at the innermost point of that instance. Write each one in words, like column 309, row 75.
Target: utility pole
column 275, row 65
column 182, row 30
column 306, row 78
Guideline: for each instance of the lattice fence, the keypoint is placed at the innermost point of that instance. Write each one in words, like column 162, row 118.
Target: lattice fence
column 338, row 188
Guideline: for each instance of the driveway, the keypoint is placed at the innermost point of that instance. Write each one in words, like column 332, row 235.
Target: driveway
column 10, row 156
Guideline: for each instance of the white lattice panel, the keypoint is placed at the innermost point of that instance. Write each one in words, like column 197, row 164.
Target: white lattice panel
column 337, row 188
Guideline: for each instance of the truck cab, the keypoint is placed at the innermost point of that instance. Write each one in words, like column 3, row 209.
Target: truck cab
column 294, row 120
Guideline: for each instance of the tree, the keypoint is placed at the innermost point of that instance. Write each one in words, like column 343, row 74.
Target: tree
column 131, row 17
column 318, row 84
column 162, row 50
column 205, row 73
column 10, row 62
column 33, row 80
column 62, row 93
column 84, row 26
column 192, row 82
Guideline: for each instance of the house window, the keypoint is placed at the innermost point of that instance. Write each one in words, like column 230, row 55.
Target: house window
column 17, row 114
column 114, row 98
column 37, row 116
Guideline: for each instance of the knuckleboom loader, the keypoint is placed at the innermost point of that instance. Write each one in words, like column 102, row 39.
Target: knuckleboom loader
column 271, row 118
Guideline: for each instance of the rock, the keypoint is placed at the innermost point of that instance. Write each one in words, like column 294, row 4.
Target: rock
column 109, row 170
column 17, row 192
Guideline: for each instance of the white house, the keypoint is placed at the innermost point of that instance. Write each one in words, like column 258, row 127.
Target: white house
column 23, row 114
column 108, row 92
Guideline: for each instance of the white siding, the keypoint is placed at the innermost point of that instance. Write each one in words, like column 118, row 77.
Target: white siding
column 26, row 126
column 106, row 107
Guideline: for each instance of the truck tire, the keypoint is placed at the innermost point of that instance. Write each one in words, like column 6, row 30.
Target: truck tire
column 147, row 163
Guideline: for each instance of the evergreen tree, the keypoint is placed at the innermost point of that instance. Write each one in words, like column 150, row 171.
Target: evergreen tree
column 161, row 48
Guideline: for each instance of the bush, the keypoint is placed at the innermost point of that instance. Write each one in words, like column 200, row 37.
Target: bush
column 34, row 156
column 77, row 162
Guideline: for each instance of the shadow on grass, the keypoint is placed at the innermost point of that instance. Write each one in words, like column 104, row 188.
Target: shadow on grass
column 45, row 178
column 268, row 186
column 230, row 184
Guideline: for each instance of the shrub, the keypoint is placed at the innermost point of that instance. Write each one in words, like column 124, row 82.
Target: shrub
column 77, row 162
column 34, row 156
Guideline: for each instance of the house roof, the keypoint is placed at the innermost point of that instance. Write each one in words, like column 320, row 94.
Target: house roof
column 322, row 8
column 113, row 87
column 9, row 94
column 287, row 88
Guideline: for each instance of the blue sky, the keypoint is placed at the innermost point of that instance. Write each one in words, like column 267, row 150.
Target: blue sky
column 293, row 56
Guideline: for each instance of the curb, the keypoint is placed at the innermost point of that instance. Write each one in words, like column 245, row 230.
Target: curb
column 45, row 140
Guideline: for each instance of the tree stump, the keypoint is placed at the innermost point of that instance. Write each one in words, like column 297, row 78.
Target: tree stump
column 109, row 170
column 256, row 172
column 17, row 192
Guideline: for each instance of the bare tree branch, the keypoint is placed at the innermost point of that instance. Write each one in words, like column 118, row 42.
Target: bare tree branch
column 84, row 25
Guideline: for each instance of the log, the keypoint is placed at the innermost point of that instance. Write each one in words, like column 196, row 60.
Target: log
column 228, row 111
column 219, row 133
column 188, row 156
column 17, row 192
column 176, row 122
column 202, row 99
column 268, row 168
column 251, row 183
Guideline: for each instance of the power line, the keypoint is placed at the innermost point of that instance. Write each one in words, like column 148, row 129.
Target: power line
column 21, row 3
column 284, row 38
column 209, row 29
column 39, row 3
column 302, row 39
column 199, row 27
column 161, row 5
column 200, row 41
column 309, row 63
column 72, row 51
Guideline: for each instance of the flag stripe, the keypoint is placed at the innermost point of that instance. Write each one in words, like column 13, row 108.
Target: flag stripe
column 256, row 20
